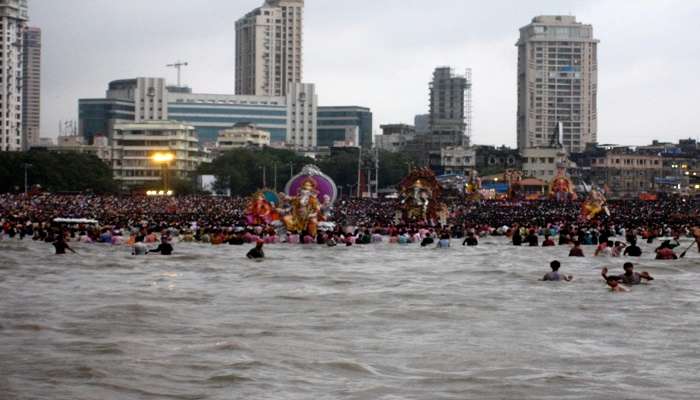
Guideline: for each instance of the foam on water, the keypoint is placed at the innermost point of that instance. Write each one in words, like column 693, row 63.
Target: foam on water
column 365, row 322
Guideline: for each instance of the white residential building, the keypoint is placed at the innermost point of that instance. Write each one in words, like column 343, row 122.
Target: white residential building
column 394, row 137
column 135, row 144
column 149, row 97
column 302, row 114
column 269, row 48
column 31, row 87
column 543, row 162
column 76, row 144
column 557, row 83
column 460, row 160
column 242, row 135
column 13, row 20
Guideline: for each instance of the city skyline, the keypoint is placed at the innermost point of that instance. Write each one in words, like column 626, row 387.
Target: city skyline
column 355, row 58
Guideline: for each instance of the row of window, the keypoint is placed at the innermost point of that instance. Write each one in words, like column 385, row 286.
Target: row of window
column 626, row 161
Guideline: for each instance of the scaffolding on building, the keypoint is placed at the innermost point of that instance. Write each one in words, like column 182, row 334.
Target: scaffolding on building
column 468, row 106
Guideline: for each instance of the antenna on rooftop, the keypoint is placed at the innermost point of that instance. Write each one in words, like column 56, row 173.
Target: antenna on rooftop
column 178, row 65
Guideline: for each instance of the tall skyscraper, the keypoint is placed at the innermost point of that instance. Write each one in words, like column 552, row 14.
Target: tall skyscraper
column 31, row 87
column 448, row 103
column 13, row 19
column 269, row 48
column 557, row 84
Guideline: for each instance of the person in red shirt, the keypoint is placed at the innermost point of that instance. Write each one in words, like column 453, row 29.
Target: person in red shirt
column 576, row 251
column 547, row 241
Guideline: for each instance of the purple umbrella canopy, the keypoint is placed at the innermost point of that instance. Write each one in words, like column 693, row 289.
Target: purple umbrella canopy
column 324, row 184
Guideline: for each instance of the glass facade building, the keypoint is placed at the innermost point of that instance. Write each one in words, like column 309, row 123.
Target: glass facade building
column 97, row 116
column 336, row 123
column 211, row 113
column 209, row 119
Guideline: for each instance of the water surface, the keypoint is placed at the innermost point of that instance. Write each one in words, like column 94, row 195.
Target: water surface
column 310, row 322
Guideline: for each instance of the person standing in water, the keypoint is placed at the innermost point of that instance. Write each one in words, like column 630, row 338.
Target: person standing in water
column 633, row 250
column 61, row 246
column 471, row 240
column 629, row 277
column 139, row 248
column 576, row 251
column 256, row 253
column 164, row 248
column 615, row 286
column 444, row 241
column 554, row 275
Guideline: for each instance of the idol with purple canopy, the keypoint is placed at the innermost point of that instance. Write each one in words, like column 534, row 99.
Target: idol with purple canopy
column 311, row 194
column 324, row 184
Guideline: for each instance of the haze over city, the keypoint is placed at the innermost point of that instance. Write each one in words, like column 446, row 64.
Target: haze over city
column 366, row 199
column 381, row 55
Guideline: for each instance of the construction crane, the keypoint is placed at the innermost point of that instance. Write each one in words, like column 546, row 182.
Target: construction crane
column 178, row 65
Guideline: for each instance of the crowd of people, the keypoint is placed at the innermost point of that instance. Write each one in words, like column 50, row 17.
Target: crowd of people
column 150, row 224
column 222, row 219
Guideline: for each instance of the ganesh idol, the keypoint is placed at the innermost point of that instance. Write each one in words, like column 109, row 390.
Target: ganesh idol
column 260, row 210
column 305, row 210
column 561, row 188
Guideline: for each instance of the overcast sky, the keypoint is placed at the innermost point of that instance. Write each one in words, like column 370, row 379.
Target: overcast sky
column 381, row 53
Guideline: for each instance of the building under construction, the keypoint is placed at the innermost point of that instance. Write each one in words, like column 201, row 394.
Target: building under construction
column 450, row 106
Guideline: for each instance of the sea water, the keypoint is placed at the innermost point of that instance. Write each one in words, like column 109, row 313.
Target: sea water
column 380, row 321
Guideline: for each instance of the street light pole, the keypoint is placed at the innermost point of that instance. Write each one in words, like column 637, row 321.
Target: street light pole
column 274, row 168
column 264, row 168
column 369, row 182
column 164, row 160
column 26, row 180
column 376, row 172
column 359, row 171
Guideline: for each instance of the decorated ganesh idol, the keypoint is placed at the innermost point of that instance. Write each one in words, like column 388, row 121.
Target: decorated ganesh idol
column 561, row 188
column 310, row 195
column 420, row 192
column 261, row 208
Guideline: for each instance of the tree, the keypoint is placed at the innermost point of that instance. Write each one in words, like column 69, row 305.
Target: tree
column 242, row 170
column 55, row 172
column 393, row 167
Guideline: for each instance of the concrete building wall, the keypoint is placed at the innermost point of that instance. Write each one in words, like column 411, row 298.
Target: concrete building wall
column 542, row 162
column 150, row 99
column 242, row 135
column 394, row 137
column 627, row 173
column 447, row 105
column 557, row 82
column 31, row 87
column 458, row 160
column 302, row 109
column 422, row 124
column 13, row 19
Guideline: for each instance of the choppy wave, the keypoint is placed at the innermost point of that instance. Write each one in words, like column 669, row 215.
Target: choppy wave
column 374, row 322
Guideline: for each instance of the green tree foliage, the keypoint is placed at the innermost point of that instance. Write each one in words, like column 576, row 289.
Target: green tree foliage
column 342, row 167
column 55, row 172
column 393, row 167
column 241, row 170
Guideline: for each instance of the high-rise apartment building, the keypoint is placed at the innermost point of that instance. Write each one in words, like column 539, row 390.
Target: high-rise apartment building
column 31, row 87
column 13, row 19
column 448, row 106
column 557, row 83
column 302, row 109
column 269, row 48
